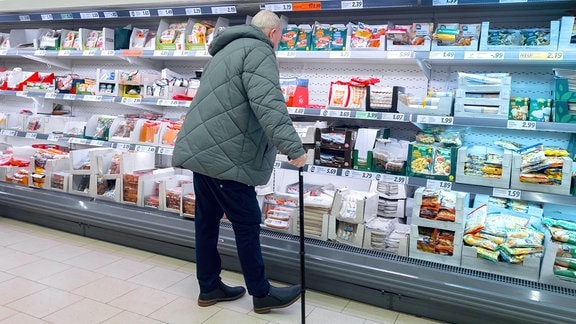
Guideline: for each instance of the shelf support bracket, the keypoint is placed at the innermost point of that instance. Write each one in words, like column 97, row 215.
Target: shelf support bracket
column 64, row 64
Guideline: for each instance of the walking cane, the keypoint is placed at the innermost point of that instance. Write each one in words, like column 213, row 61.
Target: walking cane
column 302, row 250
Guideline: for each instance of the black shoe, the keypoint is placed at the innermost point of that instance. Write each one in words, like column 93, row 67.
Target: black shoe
column 222, row 293
column 276, row 298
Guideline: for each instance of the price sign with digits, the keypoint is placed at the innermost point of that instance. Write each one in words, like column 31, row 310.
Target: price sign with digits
column 24, row 17
column 436, row 120
column 108, row 53
column 96, row 143
column 322, row 170
column 488, row 55
column 390, row 178
column 351, row 5
column 40, row 53
column 521, row 124
column 144, row 148
column 139, row 13
column 359, row 174
column 392, row 117
column 131, row 101
column 339, row 113
column 278, row 7
column 8, row 132
column 89, row 53
column 110, row 14
column 53, row 138
column 122, row 146
column 278, row 165
column 339, row 54
column 89, row 15
column 165, row 12
column 92, row 98
column 442, row 55
column 82, row 141
column 437, row 184
column 296, row 111
column 286, row 54
column 366, row 115
column 69, row 96
column 50, row 95
column 165, row 151
column 166, row 102
column 541, row 56
column 46, row 17
column 161, row 53
column 399, row 54
column 31, row 135
column 64, row 53
column 193, row 11
column 224, row 10
column 507, row 193
column 445, row 2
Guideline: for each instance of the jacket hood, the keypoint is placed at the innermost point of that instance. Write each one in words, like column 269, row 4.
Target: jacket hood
column 233, row 33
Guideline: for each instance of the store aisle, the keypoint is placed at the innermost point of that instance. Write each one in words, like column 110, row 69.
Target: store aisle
column 48, row 276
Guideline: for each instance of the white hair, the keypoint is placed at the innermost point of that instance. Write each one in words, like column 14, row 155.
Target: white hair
column 266, row 20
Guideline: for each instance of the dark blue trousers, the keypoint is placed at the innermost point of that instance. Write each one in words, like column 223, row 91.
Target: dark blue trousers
column 215, row 197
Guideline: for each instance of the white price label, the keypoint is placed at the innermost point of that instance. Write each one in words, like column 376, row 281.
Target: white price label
column 541, row 56
column 442, row 55
column 89, row 53
column 122, row 146
column 144, row 148
column 277, row 164
column 31, row 135
column 46, row 17
column 53, row 138
column 390, row 178
column 393, row 117
column 89, row 15
column 131, row 101
column 437, row 120
column 165, row 12
column 507, row 193
column 3, row 52
column 50, row 95
column 40, row 53
column 165, row 151
column 286, row 54
column 337, row 113
column 512, row 1
column 82, row 141
column 322, row 170
column 351, row 4
column 399, row 54
column 139, row 13
column 69, row 96
column 223, row 10
column 161, row 53
column 167, row 102
column 8, row 132
column 521, row 124
column 193, row 11
column 437, row 184
column 359, row 174
column 445, row 2
column 278, row 7
column 64, row 53
column 24, row 17
column 21, row 93
column 92, row 98
column 108, row 53
column 339, row 54
column 96, row 143
column 484, row 55
column 110, row 14
column 296, row 111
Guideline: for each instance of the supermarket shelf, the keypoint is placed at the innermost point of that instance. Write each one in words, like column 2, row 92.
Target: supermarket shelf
column 349, row 114
column 484, row 2
column 498, row 57
column 377, row 278
column 494, row 123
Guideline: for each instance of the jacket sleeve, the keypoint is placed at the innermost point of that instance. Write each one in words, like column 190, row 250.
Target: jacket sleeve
column 260, row 79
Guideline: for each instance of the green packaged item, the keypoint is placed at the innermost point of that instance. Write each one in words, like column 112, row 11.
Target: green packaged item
column 566, row 262
column 474, row 240
column 487, row 254
column 566, row 251
column 304, row 38
column 520, row 250
column 338, row 42
column 564, row 272
column 509, row 258
column 540, row 109
column 289, row 38
column 563, row 235
column 551, row 222
column 321, row 37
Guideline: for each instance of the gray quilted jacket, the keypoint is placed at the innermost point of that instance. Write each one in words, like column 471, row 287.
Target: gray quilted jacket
column 238, row 117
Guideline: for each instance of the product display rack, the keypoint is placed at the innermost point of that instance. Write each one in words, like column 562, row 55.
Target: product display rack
column 399, row 283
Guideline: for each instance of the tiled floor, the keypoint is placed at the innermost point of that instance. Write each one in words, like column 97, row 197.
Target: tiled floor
column 48, row 276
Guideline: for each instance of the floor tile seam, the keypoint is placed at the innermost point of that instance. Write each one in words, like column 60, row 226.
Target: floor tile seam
column 69, row 305
column 150, row 313
column 42, row 277
column 62, row 261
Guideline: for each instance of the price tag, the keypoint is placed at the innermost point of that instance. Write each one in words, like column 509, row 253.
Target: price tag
column 442, row 55
column 24, row 17
column 286, row 54
column 223, row 10
column 339, row 54
column 64, row 53
column 122, row 146
column 521, row 124
column 399, row 54
column 193, row 11
column 390, row 178
column 166, row 102
column 89, row 15
column 8, row 132
column 366, row 115
column 483, row 55
column 46, row 17
column 541, row 56
column 66, row 16
column 161, row 53
column 507, row 193
column 3, row 52
column 445, row 2
column 69, row 96
column 437, row 184
column 96, row 143
column 110, row 14
column 50, row 95
column 53, row 138
column 345, row 5
column 82, row 141
column 139, row 13
column 165, row 12
column 144, row 148
column 437, row 120
column 108, row 53
column 307, row 6
column 89, row 53
column 339, row 113
column 278, row 7
column 165, row 151
column 21, row 93
column 512, row 1
column 31, row 135
column 92, row 98
column 322, row 170
column 277, row 164
column 359, row 174
column 131, row 101
column 392, row 117
column 40, row 53
column 296, row 111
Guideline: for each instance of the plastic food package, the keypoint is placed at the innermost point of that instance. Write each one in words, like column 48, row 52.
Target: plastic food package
column 149, row 130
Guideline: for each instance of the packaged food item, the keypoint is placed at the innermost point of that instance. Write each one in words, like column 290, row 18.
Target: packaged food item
column 321, row 37
column 339, row 35
column 540, row 109
column 473, row 240
column 289, row 38
column 518, row 109
column 487, row 254
column 339, row 94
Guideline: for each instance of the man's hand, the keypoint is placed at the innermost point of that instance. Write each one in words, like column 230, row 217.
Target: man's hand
column 299, row 162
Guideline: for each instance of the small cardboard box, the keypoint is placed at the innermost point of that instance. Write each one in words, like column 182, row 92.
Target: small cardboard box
column 415, row 37
column 414, row 252
column 465, row 39
column 364, row 206
column 562, row 189
column 529, row 269
column 501, row 182
column 567, row 38
column 554, row 29
column 96, row 39
column 346, row 233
